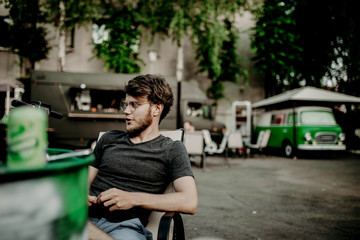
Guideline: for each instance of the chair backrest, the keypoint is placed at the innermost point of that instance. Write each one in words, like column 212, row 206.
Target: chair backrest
column 194, row 142
column 155, row 216
column 100, row 135
column 265, row 139
column 235, row 140
column 260, row 137
column 174, row 134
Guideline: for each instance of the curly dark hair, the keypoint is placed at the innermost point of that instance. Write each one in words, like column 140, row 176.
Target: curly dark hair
column 155, row 87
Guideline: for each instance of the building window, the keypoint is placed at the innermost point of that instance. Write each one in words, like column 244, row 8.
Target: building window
column 5, row 32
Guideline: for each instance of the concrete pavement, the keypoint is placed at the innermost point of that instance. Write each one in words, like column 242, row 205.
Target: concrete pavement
column 271, row 197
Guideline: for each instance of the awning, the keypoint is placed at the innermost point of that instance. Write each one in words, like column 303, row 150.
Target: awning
column 306, row 96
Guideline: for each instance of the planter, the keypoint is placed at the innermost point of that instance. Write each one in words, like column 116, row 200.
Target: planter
column 45, row 203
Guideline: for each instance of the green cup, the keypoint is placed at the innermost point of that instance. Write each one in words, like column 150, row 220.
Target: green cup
column 26, row 138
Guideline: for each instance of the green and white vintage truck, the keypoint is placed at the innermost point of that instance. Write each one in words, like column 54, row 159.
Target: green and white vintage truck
column 301, row 119
column 302, row 128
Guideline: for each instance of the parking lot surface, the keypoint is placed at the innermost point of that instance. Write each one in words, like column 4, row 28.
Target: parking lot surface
column 270, row 197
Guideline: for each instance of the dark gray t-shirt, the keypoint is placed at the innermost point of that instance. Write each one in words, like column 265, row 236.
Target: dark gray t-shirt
column 145, row 167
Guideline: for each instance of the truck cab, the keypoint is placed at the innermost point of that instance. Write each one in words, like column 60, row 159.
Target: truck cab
column 303, row 128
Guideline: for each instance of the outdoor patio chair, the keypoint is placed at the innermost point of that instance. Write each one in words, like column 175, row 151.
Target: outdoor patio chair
column 210, row 146
column 166, row 225
column 174, row 134
column 235, row 141
column 194, row 143
column 261, row 142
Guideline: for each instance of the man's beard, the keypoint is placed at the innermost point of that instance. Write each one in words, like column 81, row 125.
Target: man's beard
column 144, row 123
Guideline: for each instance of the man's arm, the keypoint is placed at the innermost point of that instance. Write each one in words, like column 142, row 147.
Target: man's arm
column 184, row 199
column 92, row 172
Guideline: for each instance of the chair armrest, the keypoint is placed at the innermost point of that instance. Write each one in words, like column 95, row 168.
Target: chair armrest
column 165, row 229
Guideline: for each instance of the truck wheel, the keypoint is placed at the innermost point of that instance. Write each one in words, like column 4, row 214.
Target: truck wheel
column 288, row 149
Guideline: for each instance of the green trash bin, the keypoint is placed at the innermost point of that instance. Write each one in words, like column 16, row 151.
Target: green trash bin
column 48, row 202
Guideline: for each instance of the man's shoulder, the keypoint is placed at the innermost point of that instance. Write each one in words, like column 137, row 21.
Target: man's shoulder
column 171, row 144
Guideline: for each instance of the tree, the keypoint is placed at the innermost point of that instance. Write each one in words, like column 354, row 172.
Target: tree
column 214, row 38
column 65, row 15
column 276, row 45
column 27, row 31
column 119, row 49
column 209, row 23
column 26, row 37
column 308, row 43
column 346, row 48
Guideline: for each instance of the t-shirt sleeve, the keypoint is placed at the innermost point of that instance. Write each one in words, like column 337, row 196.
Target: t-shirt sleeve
column 179, row 161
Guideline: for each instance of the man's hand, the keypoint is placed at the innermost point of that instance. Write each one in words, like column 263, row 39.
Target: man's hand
column 91, row 200
column 116, row 199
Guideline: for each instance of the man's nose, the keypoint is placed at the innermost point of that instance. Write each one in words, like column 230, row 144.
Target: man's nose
column 127, row 110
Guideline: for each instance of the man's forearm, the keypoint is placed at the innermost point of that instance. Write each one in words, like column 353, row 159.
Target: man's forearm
column 184, row 199
column 177, row 201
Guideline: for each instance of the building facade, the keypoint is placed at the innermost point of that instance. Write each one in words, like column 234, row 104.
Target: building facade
column 159, row 57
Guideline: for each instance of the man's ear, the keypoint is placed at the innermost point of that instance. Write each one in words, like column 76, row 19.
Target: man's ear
column 158, row 108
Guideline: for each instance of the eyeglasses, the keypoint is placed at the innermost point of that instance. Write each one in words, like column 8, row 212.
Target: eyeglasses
column 132, row 106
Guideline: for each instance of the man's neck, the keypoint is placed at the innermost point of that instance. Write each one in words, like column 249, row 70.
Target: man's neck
column 148, row 134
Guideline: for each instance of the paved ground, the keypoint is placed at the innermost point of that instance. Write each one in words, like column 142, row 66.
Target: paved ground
column 270, row 197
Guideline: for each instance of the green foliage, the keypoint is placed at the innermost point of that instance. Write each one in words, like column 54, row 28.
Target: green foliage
column 350, row 39
column 158, row 16
column 120, row 50
column 27, row 36
column 210, row 23
column 77, row 11
column 29, row 43
column 211, row 35
column 308, row 42
column 331, row 43
column 215, row 38
column 217, row 55
column 231, row 69
column 276, row 45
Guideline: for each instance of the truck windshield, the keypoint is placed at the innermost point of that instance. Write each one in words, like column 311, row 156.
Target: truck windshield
column 317, row 117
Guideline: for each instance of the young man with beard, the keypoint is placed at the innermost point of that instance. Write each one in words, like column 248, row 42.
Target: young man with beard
column 132, row 169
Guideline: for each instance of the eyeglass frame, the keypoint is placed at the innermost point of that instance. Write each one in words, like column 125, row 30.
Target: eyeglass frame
column 132, row 105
